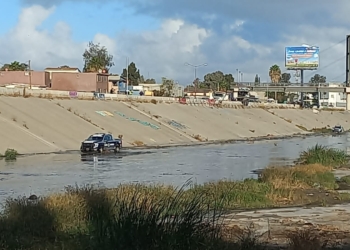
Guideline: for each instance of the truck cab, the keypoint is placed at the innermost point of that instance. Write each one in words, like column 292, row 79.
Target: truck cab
column 101, row 142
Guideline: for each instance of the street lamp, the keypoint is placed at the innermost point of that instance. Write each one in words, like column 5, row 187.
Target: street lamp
column 195, row 74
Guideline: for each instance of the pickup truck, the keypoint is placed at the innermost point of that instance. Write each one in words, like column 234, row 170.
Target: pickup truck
column 101, row 142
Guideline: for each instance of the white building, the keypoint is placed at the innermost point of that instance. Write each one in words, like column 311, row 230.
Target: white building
column 333, row 99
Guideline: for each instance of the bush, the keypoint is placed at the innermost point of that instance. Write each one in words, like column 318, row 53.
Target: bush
column 153, row 217
column 10, row 155
column 324, row 155
column 129, row 217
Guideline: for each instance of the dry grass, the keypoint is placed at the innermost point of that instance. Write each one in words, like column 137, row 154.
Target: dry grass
column 301, row 127
column 138, row 143
column 154, row 101
column 305, row 240
column 101, row 218
column 199, row 138
column 14, row 119
column 25, row 125
column 286, row 177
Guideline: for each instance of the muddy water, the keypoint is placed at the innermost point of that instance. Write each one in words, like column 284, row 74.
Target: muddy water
column 50, row 173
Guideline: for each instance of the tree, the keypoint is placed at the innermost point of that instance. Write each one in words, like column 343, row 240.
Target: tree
column 226, row 84
column 197, row 83
column 167, row 86
column 133, row 74
column 275, row 73
column 256, row 79
column 218, row 80
column 285, row 78
column 212, row 80
column 318, row 79
column 142, row 79
column 96, row 58
column 150, row 81
column 15, row 66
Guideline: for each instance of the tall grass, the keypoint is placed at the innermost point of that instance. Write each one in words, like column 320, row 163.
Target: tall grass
column 149, row 217
column 129, row 217
column 324, row 155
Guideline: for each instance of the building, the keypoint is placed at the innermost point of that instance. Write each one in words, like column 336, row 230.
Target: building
column 35, row 78
column 150, row 87
column 62, row 69
column 333, row 99
column 83, row 82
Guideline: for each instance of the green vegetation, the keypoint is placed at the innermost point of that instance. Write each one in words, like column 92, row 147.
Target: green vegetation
column 324, row 155
column 345, row 179
column 162, row 217
column 10, row 155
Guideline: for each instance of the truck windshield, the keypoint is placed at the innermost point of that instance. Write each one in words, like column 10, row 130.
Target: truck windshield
column 95, row 138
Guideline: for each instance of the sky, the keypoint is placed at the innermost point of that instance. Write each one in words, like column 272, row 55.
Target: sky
column 161, row 36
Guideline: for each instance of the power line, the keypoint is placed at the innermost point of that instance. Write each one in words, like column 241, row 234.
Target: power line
column 328, row 48
column 328, row 65
column 341, row 75
column 332, row 46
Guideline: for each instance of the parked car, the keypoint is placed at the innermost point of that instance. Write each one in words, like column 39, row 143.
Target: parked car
column 338, row 129
column 101, row 142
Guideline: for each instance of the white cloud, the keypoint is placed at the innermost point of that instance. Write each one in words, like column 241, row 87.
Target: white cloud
column 237, row 25
column 163, row 52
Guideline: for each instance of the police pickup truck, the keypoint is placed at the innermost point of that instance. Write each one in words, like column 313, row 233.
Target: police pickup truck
column 101, row 142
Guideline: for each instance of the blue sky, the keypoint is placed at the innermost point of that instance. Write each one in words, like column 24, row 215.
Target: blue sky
column 161, row 35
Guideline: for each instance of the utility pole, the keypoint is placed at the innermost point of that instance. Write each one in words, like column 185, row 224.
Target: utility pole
column 127, row 76
column 30, row 75
column 195, row 75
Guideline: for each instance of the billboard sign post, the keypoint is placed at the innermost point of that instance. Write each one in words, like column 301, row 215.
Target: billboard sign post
column 302, row 58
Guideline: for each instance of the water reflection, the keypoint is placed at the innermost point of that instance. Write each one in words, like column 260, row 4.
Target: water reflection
column 50, row 173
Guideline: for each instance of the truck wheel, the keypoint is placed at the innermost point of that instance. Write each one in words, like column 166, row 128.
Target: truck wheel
column 117, row 149
column 100, row 150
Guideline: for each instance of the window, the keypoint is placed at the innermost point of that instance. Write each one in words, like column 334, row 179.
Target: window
column 108, row 138
column 102, row 78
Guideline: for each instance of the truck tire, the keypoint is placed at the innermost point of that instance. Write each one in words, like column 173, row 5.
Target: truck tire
column 117, row 149
column 100, row 150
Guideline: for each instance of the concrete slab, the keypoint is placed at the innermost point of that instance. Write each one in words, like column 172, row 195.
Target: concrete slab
column 221, row 124
column 19, row 138
column 47, row 121
column 310, row 120
column 125, row 121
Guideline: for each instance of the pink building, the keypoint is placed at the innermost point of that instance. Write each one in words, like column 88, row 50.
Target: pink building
column 37, row 78
column 84, row 82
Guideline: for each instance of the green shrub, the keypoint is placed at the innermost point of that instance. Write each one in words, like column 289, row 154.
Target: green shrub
column 345, row 179
column 324, row 155
column 10, row 154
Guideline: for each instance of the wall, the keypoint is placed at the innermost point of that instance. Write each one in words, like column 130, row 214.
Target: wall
column 39, row 78
column 85, row 82
column 50, row 71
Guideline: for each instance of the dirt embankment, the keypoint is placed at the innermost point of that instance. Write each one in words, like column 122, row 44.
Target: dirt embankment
column 37, row 125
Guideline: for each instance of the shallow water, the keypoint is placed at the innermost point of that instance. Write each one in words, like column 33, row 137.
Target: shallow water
column 44, row 174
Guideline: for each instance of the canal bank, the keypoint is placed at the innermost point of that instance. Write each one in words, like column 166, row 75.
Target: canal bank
column 38, row 125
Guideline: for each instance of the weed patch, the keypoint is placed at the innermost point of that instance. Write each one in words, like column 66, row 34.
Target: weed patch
column 324, row 155
column 10, row 155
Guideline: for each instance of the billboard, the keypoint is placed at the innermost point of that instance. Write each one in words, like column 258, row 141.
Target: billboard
column 302, row 57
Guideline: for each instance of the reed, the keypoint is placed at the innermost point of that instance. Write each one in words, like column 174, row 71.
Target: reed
column 324, row 155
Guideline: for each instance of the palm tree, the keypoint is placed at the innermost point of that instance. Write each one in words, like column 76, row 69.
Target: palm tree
column 275, row 73
column 15, row 66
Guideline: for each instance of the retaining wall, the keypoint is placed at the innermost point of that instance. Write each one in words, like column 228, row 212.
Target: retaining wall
column 35, row 125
